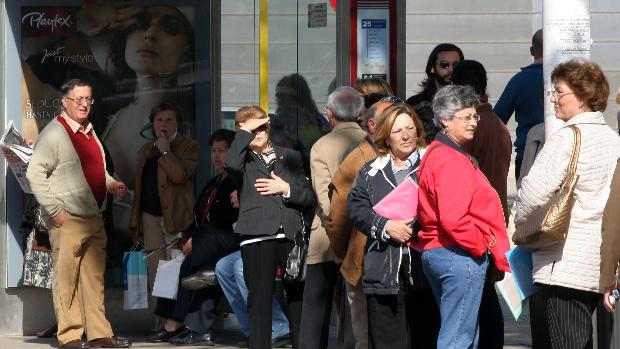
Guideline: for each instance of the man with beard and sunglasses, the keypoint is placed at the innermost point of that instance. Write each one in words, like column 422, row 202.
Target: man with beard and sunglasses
column 439, row 67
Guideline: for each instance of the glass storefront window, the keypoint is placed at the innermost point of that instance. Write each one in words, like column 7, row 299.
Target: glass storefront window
column 135, row 55
column 302, row 67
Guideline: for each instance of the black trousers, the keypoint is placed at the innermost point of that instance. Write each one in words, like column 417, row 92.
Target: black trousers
column 518, row 163
column 426, row 320
column 389, row 315
column 196, row 309
column 260, row 260
column 491, row 319
column 317, row 305
column 210, row 243
column 569, row 316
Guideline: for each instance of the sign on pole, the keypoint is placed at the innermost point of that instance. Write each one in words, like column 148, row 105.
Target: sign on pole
column 566, row 35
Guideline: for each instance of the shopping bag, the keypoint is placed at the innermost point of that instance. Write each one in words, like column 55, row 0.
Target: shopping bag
column 135, row 281
column 167, row 279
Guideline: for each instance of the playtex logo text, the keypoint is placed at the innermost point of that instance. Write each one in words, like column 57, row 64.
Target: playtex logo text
column 48, row 20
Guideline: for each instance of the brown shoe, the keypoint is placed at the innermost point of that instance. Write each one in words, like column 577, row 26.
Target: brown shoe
column 49, row 332
column 75, row 344
column 110, row 342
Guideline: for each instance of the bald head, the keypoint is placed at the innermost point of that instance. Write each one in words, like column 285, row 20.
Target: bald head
column 373, row 116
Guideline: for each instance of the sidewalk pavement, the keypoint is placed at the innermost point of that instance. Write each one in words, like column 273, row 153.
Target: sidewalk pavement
column 516, row 335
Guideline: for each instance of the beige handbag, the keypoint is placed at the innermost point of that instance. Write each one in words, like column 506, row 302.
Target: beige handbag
column 549, row 224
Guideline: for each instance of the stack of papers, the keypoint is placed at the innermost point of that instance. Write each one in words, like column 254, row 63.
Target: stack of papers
column 518, row 285
column 17, row 154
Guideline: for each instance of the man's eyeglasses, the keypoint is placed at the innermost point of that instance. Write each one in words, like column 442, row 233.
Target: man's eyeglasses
column 446, row 64
column 469, row 118
column 81, row 100
column 391, row 99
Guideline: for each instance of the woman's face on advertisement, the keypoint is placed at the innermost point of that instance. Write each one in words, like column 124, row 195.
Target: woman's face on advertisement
column 160, row 43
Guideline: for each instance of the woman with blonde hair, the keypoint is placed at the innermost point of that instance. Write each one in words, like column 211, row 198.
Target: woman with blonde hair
column 273, row 193
column 399, row 137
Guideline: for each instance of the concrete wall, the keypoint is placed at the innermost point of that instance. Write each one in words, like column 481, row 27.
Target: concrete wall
column 498, row 34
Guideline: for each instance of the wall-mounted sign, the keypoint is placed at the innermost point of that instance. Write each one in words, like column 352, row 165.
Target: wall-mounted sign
column 317, row 15
column 373, row 44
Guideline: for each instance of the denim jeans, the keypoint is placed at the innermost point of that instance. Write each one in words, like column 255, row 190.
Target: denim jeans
column 457, row 281
column 229, row 271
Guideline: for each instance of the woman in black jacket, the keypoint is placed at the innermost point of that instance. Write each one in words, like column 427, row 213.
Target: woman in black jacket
column 273, row 193
column 388, row 278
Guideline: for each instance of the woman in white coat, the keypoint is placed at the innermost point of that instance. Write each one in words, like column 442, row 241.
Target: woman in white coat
column 569, row 270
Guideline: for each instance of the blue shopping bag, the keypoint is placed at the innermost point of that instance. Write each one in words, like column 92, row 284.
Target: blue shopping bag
column 135, row 281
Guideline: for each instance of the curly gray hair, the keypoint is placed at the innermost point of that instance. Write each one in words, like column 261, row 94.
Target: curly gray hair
column 450, row 99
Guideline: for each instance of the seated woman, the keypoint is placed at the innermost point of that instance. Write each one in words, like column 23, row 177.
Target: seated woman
column 389, row 291
column 273, row 193
column 189, row 319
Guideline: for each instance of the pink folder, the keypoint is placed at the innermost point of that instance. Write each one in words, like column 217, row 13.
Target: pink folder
column 400, row 203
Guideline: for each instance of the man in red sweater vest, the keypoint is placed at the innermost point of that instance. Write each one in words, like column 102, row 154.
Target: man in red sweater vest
column 69, row 179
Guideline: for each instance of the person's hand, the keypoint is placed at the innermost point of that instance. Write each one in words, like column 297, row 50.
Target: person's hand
column 608, row 306
column 162, row 142
column 400, row 231
column 234, row 199
column 59, row 218
column 271, row 186
column 252, row 124
column 94, row 19
column 187, row 247
column 118, row 188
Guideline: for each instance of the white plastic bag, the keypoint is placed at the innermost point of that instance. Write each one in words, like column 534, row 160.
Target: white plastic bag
column 167, row 279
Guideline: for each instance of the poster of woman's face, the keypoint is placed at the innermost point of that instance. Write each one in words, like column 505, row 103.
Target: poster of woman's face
column 135, row 57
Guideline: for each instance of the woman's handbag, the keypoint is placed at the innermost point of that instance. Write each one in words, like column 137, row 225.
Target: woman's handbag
column 38, row 269
column 295, row 270
column 549, row 224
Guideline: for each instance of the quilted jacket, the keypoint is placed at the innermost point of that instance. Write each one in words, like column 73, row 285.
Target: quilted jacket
column 575, row 262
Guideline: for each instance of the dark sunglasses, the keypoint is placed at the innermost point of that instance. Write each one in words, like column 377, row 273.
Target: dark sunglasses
column 391, row 99
column 446, row 64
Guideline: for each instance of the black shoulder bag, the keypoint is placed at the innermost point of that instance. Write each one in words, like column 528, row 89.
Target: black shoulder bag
column 295, row 270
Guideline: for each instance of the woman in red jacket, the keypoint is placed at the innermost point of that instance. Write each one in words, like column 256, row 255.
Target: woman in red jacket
column 463, row 229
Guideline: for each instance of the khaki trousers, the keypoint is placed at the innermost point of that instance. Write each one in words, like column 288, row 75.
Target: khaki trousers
column 78, row 253
column 155, row 235
column 359, row 315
